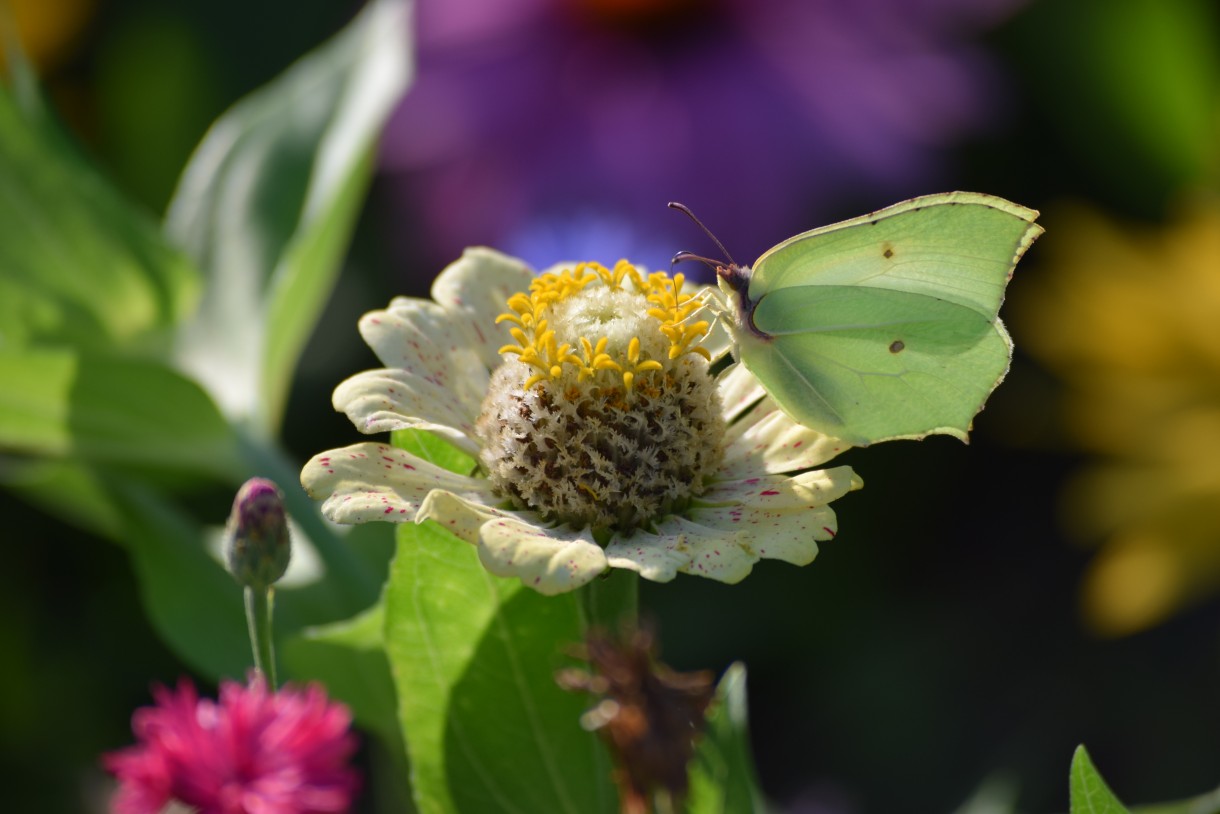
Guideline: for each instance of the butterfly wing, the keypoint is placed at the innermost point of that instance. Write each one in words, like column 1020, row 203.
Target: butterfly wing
column 886, row 326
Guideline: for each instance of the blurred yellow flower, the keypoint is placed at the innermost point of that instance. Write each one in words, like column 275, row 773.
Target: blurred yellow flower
column 1129, row 317
column 48, row 29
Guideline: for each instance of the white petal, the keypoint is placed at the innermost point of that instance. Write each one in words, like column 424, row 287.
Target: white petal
column 476, row 289
column 739, row 390
column 461, row 516
column 384, row 400
column 652, row 556
column 718, row 341
column 551, row 561
column 776, row 492
column 767, row 440
column 367, row 482
column 426, row 342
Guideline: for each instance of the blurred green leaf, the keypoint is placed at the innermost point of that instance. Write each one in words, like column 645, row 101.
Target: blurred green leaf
column 1090, row 794
column 192, row 602
column 474, row 656
column 997, row 794
column 1203, row 804
column 267, row 205
column 1133, row 85
column 349, row 658
column 108, row 409
column 722, row 777
column 77, row 262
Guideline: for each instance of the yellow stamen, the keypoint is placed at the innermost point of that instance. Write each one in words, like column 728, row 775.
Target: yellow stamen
column 537, row 344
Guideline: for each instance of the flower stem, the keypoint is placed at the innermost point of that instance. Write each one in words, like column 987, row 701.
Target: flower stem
column 612, row 602
column 258, row 619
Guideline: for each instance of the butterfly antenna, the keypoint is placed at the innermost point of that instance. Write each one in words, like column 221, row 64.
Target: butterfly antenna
column 683, row 208
column 682, row 257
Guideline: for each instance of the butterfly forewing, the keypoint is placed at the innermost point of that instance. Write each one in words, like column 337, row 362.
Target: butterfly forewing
column 957, row 246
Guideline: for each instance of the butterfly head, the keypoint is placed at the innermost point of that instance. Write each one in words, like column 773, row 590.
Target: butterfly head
column 733, row 279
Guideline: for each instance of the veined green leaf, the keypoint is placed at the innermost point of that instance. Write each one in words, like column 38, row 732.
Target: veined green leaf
column 268, row 203
column 1090, row 794
column 473, row 656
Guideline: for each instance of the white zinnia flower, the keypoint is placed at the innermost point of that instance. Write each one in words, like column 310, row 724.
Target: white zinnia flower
column 602, row 438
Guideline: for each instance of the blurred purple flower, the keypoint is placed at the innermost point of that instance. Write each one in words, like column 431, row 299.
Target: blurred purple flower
column 252, row 752
column 545, row 127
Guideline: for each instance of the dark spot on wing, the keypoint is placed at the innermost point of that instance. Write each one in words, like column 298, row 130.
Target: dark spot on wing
column 897, row 346
column 889, row 251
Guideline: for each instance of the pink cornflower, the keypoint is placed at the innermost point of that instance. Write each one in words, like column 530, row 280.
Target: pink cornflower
column 252, row 752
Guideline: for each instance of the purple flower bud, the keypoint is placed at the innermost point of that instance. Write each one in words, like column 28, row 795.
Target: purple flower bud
column 257, row 545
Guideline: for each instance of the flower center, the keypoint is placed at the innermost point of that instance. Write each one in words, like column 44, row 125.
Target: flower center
column 603, row 413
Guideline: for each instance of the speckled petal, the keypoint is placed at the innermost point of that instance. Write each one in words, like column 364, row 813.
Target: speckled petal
column 421, row 337
column 739, row 390
column 476, row 289
column 788, row 534
column 710, row 552
column 385, row 400
column 776, row 492
column 551, row 561
column 767, row 439
column 653, row 556
column 367, row 482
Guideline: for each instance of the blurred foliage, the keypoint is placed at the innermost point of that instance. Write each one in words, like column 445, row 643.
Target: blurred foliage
column 936, row 642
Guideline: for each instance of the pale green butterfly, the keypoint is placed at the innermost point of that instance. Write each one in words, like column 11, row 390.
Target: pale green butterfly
column 883, row 326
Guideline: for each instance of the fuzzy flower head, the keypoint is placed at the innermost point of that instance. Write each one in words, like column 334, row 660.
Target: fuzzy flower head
column 599, row 435
column 252, row 752
column 613, row 423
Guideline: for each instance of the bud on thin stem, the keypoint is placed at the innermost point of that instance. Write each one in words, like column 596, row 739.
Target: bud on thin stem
column 257, row 550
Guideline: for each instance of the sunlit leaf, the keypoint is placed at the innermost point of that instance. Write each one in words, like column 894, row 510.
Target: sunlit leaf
column 110, row 409
column 473, row 656
column 78, row 263
column 268, row 203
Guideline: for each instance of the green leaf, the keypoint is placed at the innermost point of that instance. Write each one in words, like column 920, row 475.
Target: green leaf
column 267, row 205
column 474, row 656
column 1090, row 794
column 104, row 408
column 192, row 602
column 722, row 777
column 349, row 658
column 433, row 449
column 77, row 261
